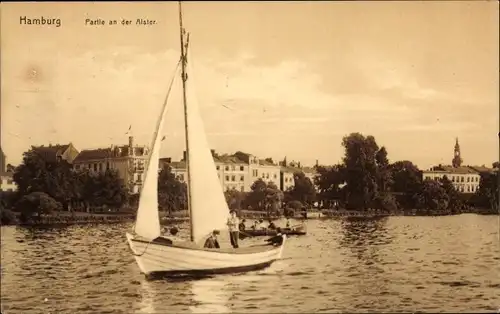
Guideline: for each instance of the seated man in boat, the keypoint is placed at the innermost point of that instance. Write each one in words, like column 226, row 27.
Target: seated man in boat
column 288, row 222
column 255, row 225
column 277, row 240
column 211, row 242
column 242, row 226
column 232, row 223
column 271, row 226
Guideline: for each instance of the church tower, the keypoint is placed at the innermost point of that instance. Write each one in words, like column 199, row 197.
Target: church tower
column 457, row 160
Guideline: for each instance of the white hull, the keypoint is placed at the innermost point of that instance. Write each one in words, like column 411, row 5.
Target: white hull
column 184, row 258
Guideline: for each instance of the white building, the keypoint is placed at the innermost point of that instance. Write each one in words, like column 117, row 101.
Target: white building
column 7, row 183
column 464, row 179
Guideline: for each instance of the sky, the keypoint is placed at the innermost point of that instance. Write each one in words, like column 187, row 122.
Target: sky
column 273, row 79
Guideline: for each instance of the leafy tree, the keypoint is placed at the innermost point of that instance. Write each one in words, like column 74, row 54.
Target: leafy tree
column 303, row 189
column 361, row 170
column 172, row 193
column 488, row 193
column 234, row 198
column 329, row 182
column 35, row 174
column 103, row 189
column 406, row 182
column 264, row 196
column 455, row 203
column 496, row 165
column 36, row 204
column 431, row 197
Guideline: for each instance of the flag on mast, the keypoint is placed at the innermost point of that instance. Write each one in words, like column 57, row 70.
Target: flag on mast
column 129, row 128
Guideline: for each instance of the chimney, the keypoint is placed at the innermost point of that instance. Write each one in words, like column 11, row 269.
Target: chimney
column 130, row 145
column 213, row 152
column 317, row 163
column 184, row 156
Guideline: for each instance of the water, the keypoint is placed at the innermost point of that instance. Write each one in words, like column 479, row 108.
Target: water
column 396, row 264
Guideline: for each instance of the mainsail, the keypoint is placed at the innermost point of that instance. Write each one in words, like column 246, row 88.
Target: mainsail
column 147, row 223
column 209, row 208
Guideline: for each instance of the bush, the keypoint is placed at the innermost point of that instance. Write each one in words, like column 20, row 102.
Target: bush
column 7, row 217
column 36, row 204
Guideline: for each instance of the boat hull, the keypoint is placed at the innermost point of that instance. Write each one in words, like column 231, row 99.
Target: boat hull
column 178, row 259
column 270, row 232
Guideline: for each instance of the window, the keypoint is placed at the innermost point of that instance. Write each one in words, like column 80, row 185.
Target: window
column 95, row 167
column 233, row 178
column 286, row 179
column 218, row 167
column 453, row 179
column 227, row 178
column 227, row 168
column 242, row 168
column 267, row 175
column 462, row 180
column 242, row 178
column 107, row 165
column 275, row 176
column 100, row 167
column 139, row 177
column 468, row 179
column 255, row 173
column 468, row 188
column 89, row 166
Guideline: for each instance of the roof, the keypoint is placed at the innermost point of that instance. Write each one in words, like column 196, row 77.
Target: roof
column 264, row 162
column 482, row 169
column 93, row 154
column 50, row 153
column 228, row 159
column 290, row 169
column 456, row 170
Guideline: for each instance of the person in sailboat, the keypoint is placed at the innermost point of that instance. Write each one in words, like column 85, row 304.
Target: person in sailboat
column 271, row 226
column 211, row 242
column 277, row 240
column 242, row 226
column 232, row 223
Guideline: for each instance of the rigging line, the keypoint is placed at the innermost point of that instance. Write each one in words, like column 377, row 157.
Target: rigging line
column 159, row 121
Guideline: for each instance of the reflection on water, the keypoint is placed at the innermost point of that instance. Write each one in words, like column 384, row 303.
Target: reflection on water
column 395, row 264
column 210, row 296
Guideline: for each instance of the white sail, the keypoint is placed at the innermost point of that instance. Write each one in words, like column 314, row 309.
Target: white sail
column 147, row 223
column 209, row 208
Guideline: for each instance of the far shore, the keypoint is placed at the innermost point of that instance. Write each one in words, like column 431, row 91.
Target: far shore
column 84, row 218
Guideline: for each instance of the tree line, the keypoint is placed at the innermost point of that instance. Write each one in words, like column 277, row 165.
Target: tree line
column 364, row 180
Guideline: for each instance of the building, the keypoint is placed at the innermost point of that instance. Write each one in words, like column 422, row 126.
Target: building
column 465, row 179
column 289, row 169
column 128, row 160
column 240, row 170
column 6, row 174
column 7, row 182
column 57, row 153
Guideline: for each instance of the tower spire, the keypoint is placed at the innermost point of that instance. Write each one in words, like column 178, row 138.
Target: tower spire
column 457, row 159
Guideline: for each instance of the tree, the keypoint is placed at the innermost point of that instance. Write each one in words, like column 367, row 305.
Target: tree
column 455, row 203
column 431, row 198
column 303, row 189
column 172, row 193
column 257, row 195
column 35, row 174
column 264, row 196
column 329, row 182
column 103, row 189
column 234, row 198
column 406, row 182
column 36, row 204
column 361, row 170
column 488, row 193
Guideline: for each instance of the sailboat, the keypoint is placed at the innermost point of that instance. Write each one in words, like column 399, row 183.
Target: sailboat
column 208, row 209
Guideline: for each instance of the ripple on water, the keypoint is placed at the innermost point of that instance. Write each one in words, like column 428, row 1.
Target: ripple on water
column 398, row 264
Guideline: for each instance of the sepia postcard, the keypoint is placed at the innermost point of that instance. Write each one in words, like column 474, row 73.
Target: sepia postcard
column 249, row 157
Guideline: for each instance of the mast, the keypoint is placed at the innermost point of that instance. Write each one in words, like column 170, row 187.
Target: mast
column 184, row 79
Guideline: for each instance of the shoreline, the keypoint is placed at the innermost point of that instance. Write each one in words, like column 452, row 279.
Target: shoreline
column 69, row 219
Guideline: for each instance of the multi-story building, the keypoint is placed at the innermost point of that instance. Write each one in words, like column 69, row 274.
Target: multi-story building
column 240, row 170
column 465, row 179
column 128, row 160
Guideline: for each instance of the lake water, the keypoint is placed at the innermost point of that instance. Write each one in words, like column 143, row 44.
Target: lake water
column 395, row 264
